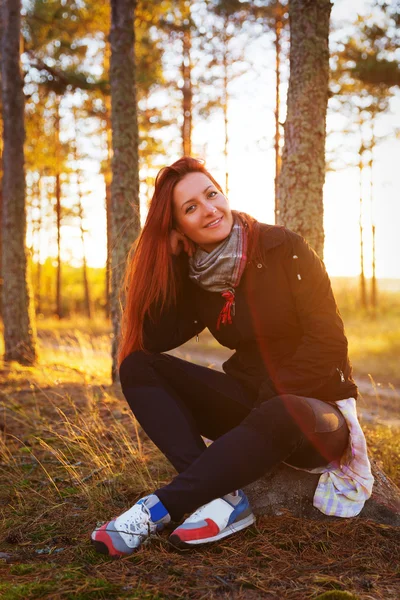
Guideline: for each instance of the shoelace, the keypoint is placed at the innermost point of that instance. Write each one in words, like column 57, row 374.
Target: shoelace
column 137, row 520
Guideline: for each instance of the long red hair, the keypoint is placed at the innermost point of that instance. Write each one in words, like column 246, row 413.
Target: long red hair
column 149, row 277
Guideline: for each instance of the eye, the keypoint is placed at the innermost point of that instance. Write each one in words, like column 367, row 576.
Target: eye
column 210, row 195
column 189, row 208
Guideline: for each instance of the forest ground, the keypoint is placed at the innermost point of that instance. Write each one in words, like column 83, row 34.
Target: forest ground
column 71, row 454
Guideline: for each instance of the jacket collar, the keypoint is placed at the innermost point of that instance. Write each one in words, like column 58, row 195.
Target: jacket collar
column 271, row 235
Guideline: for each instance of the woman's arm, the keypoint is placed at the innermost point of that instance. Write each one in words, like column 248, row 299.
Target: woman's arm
column 175, row 325
column 322, row 352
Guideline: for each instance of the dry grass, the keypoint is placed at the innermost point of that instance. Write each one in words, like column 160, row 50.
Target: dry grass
column 72, row 454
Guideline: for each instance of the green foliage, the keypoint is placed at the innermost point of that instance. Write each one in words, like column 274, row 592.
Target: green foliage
column 72, row 285
column 336, row 595
column 25, row 591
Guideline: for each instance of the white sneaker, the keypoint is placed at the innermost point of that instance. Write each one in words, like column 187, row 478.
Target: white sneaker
column 214, row 521
column 123, row 535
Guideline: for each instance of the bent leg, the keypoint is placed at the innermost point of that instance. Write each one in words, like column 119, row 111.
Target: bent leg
column 176, row 402
column 274, row 432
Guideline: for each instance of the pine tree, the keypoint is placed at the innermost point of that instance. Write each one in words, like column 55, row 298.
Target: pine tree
column 303, row 161
column 125, row 212
column 19, row 335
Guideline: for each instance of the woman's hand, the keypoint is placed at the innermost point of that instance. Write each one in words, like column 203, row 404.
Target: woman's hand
column 180, row 242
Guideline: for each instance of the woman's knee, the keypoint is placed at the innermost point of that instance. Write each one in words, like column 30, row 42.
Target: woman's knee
column 285, row 412
column 137, row 369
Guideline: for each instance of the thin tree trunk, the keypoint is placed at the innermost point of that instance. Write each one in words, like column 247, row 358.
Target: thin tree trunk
column 374, row 290
column 187, row 91
column 18, row 309
column 107, row 180
column 278, row 32
column 303, row 162
column 1, row 154
column 86, row 288
column 109, row 251
column 39, row 253
column 36, row 238
column 363, row 291
column 88, row 304
column 87, row 300
column 225, row 100
column 59, row 308
column 125, row 222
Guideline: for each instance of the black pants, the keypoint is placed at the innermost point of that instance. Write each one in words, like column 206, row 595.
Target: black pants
column 177, row 402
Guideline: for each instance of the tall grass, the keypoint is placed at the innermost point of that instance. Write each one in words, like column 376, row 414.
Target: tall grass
column 71, row 453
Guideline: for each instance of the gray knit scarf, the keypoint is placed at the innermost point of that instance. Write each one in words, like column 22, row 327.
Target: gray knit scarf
column 221, row 269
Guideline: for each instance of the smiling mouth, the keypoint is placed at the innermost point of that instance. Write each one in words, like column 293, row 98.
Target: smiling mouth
column 214, row 223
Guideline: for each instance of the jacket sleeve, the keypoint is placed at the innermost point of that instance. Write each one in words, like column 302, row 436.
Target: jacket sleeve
column 175, row 325
column 322, row 351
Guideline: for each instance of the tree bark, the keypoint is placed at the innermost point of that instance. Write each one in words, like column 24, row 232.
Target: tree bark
column 278, row 25
column 287, row 490
column 187, row 91
column 125, row 222
column 303, row 162
column 107, row 173
column 18, row 310
column 363, row 289
column 225, row 101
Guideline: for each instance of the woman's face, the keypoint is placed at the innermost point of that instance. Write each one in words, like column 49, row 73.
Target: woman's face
column 201, row 211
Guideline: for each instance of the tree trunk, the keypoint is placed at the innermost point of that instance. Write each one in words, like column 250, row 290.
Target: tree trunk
column 108, row 259
column 287, row 490
column 86, row 288
column 374, row 291
column 1, row 171
column 18, row 310
column 125, row 222
column 303, row 162
column 363, row 291
column 278, row 31
column 107, row 181
column 225, row 100
column 59, row 310
column 187, row 92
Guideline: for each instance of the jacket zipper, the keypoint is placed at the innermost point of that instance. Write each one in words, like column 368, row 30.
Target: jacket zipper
column 342, row 378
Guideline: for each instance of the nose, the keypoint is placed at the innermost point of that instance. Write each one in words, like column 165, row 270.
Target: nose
column 210, row 208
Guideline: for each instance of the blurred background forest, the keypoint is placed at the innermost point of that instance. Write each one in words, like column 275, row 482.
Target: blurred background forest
column 211, row 81
column 205, row 73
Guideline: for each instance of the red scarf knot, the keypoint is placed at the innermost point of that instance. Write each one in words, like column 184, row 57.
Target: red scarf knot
column 225, row 316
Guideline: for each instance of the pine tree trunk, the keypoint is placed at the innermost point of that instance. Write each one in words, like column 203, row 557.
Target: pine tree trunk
column 225, row 100
column 125, row 222
column 1, row 171
column 107, row 180
column 303, row 162
column 86, row 287
column 374, row 291
column 38, row 279
column 187, row 92
column 59, row 309
column 18, row 311
column 363, row 290
column 278, row 31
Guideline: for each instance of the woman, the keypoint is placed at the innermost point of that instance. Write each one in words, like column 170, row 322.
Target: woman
column 261, row 291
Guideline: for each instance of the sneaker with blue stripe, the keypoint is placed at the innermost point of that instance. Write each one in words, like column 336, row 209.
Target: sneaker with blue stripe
column 214, row 521
column 123, row 535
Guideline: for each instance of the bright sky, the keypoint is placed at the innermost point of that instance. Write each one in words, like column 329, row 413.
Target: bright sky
column 251, row 171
